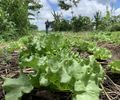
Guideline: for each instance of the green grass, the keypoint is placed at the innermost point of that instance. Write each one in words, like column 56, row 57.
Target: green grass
column 113, row 37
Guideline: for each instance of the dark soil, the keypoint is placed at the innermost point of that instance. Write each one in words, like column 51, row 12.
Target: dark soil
column 45, row 94
column 110, row 87
column 1, row 94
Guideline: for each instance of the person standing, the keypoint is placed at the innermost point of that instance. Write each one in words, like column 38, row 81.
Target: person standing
column 47, row 24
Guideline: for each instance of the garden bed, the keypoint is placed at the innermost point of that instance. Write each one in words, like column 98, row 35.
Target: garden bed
column 110, row 87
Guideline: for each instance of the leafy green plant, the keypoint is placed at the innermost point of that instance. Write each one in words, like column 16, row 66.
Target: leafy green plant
column 115, row 66
column 91, row 48
column 16, row 87
column 101, row 53
column 56, row 66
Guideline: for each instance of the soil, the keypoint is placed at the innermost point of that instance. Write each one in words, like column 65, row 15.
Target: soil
column 45, row 94
column 110, row 87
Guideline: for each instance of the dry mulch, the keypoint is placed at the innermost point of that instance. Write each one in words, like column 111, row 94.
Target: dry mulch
column 111, row 85
column 8, row 68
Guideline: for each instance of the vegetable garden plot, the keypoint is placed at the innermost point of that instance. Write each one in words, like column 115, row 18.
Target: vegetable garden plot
column 57, row 68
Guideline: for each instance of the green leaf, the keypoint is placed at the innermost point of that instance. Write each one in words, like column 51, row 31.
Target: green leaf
column 35, row 79
column 115, row 66
column 79, row 86
column 65, row 77
column 15, row 88
column 43, row 80
column 32, row 61
column 91, row 92
column 102, row 53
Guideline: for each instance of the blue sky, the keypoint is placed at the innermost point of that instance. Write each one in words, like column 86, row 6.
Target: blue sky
column 85, row 8
column 117, row 4
column 54, row 6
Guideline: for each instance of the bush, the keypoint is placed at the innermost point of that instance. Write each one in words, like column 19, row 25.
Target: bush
column 18, row 13
column 64, row 25
column 81, row 23
column 13, row 18
column 33, row 27
column 7, row 28
column 115, row 27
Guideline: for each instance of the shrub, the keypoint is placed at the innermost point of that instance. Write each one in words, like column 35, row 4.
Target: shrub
column 115, row 27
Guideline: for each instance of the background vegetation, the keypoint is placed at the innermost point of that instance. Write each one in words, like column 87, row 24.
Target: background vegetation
column 14, row 17
column 73, row 62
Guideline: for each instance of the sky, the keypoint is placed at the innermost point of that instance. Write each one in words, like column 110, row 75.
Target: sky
column 84, row 8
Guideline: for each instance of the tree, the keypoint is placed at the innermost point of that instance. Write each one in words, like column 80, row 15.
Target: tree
column 56, row 23
column 97, row 18
column 87, row 23
column 63, row 5
column 17, row 14
column 66, row 5
column 33, row 6
column 65, row 25
column 115, row 20
column 17, row 10
column 7, row 28
column 81, row 23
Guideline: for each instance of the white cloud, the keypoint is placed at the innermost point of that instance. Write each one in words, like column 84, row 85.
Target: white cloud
column 84, row 8
column 117, row 12
column 89, row 8
column 45, row 13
